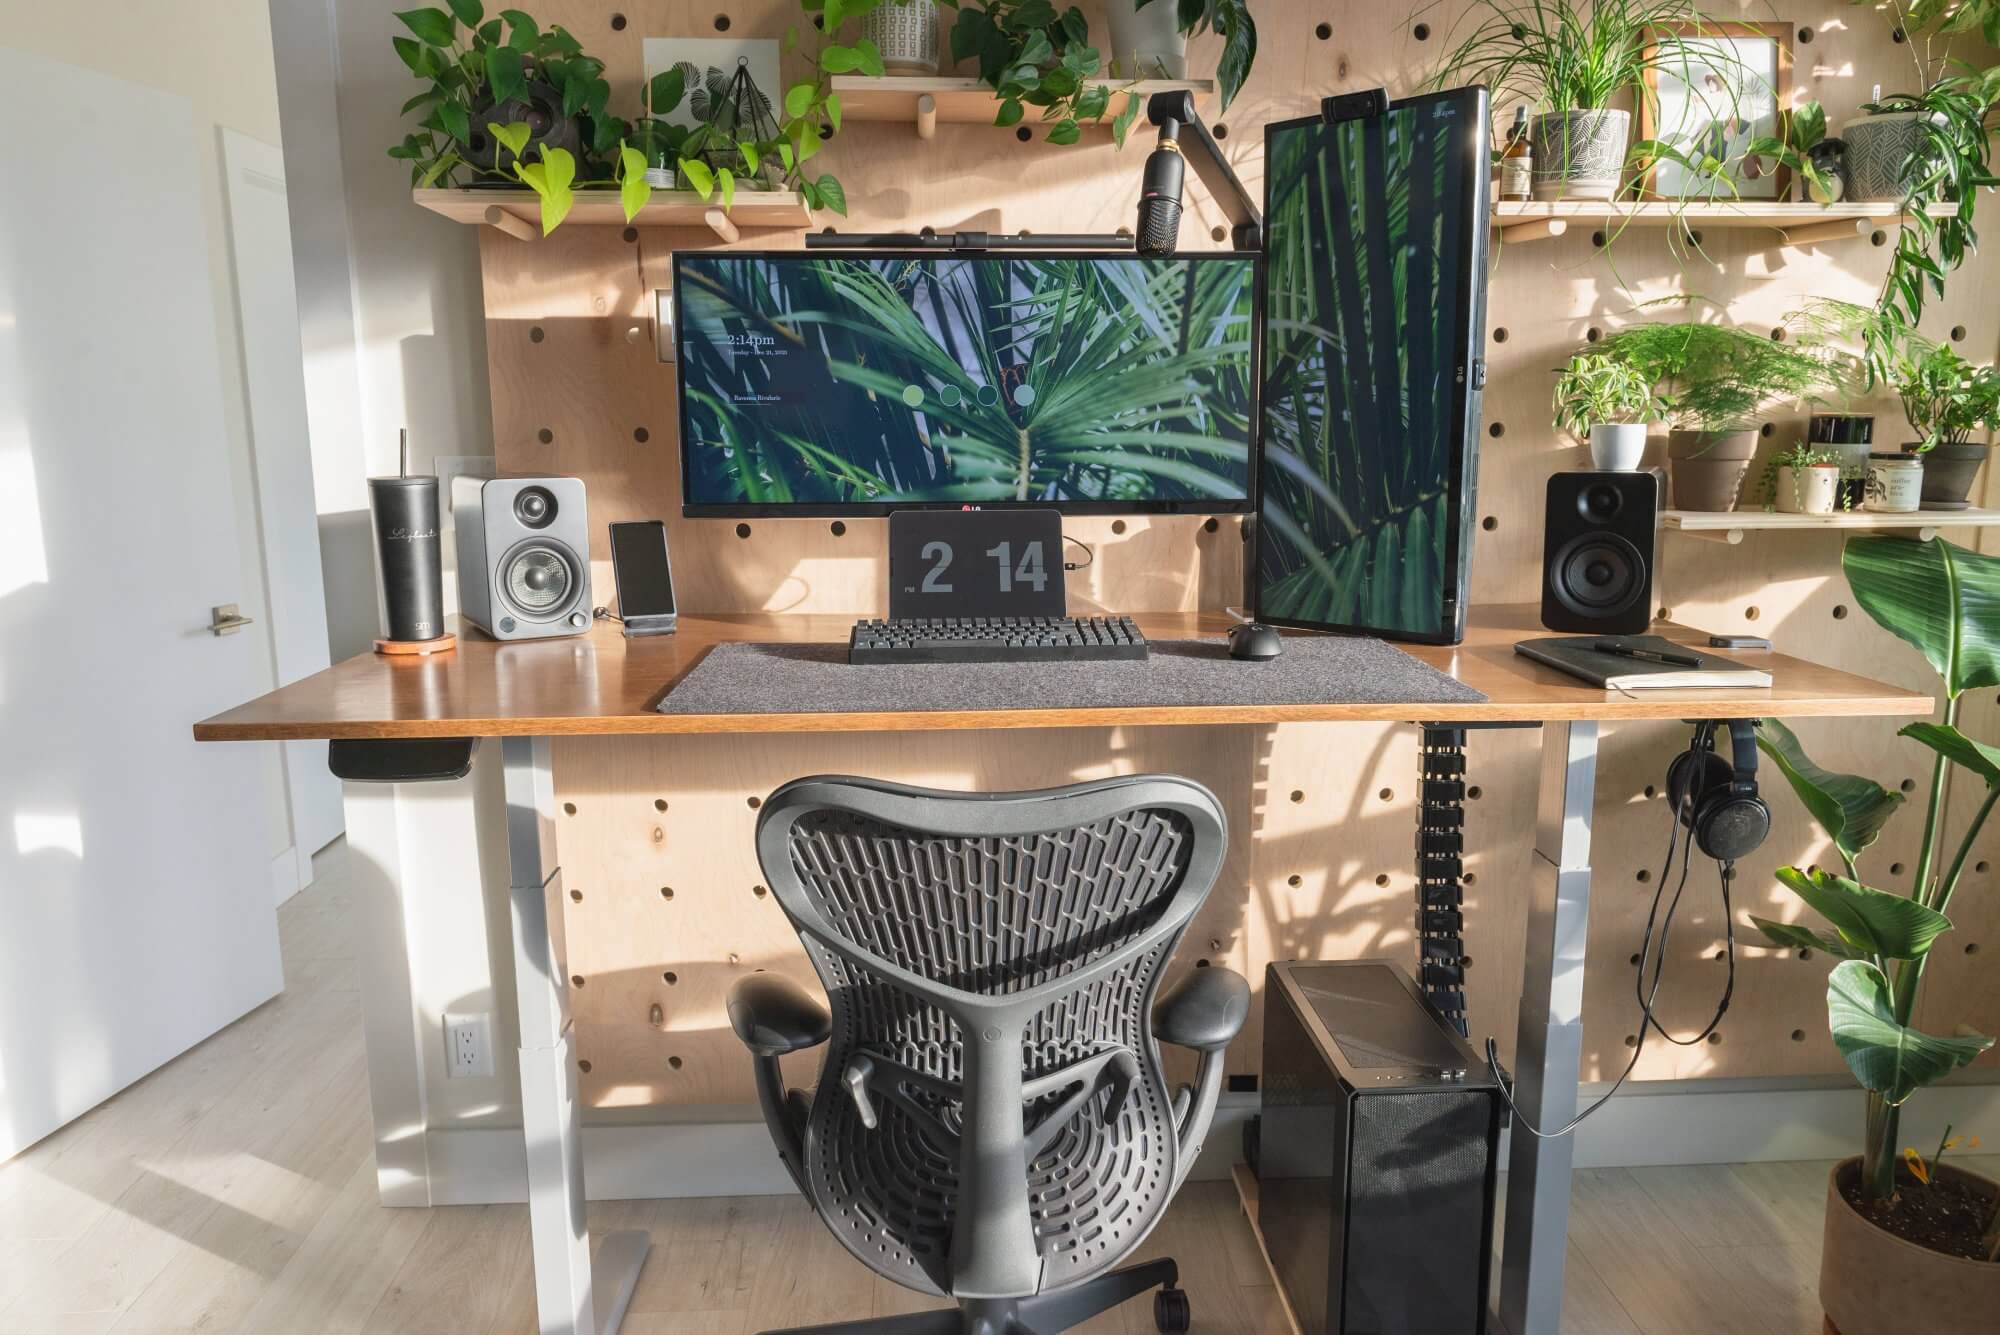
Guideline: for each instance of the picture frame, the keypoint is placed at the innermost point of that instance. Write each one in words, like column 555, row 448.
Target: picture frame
column 1717, row 109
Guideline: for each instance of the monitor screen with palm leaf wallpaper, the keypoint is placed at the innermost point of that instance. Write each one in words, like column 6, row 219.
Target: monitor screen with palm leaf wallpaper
column 860, row 384
column 1375, row 240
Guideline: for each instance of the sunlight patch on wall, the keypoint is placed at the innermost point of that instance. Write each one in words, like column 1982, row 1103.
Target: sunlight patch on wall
column 35, row 831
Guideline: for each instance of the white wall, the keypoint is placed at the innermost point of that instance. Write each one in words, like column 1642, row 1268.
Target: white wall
column 389, row 298
column 216, row 54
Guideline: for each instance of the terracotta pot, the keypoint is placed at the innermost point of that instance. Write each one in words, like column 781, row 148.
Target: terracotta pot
column 1707, row 467
column 1579, row 154
column 1872, row 1282
column 1949, row 472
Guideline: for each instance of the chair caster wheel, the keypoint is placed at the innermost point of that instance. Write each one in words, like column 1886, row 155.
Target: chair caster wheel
column 1171, row 1313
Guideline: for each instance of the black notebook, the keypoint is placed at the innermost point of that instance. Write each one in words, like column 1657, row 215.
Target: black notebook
column 1579, row 656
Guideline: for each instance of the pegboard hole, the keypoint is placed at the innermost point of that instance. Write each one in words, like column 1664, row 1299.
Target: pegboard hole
column 1634, row 961
column 1840, row 611
column 659, row 804
column 1751, row 613
column 754, row 802
column 1806, row 36
column 1593, row 334
column 1490, row 523
column 722, row 23
column 1715, row 1038
column 1383, row 880
column 1422, row 32
column 1651, row 791
column 1958, row 333
column 1878, row 237
column 631, row 234
column 576, row 980
column 829, row 230
column 536, row 334
column 1470, row 878
column 927, row 230
column 1805, row 954
column 742, row 530
column 583, row 1066
column 1500, row 334
column 1898, row 36
column 1123, row 231
column 1694, row 236
column 1908, row 785
column 1778, row 334
column 1719, row 956
column 666, row 892
column 1324, row 32
column 618, row 23
column 641, row 435
column 673, row 1063
column 838, row 528
column 1024, row 134
column 1768, row 430
column 1980, row 866
column 1631, row 1040
column 1217, row 234
column 576, row 896
column 1597, row 239
column 1972, row 947
column 1666, row 613
column 1298, row 795
column 1497, row 430
column 1211, row 524
column 669, row 977
column 1474, row 793
column 1387, row 794
column 1295, row 880
column 1221, row 130
column 1798, row 1035
column 759, row 891
column 1117, row 526
column 545, row 436
column 569, row 808
column 1201, row 964
column 1645, row 876
column 1895, row 869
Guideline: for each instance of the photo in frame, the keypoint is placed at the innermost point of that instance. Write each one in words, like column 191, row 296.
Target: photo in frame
column 1721, row 86
column 732, row 82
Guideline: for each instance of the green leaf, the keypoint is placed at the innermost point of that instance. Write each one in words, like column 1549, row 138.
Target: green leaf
column 633, row 189
column 726, row 180
column 809, row 144
column 1850, row 808
column 785, row 154
column 1091, row 105
column 1885, row 1055
column 831, row 15
column 513, row 137
column 697, row 174
column 1795, row 936
column 1873, row 922
column 1122, row 123
column 832, row 195
column 1239, row 50
column 550, row 178
column 522, row 29
column 1956, row 747
column 442, row 167
column 1010, row 112
column 871, row 57
column 799, row 99
column 834, row 60
column 505, row 74
column 430, row 25
column 666, row 90
column 1065, row 131
column 751, row 158
column 424, row 98
column 470, row 12
column 1943, row 599
column 456, row 121
column 416, row 55
column 832, row 113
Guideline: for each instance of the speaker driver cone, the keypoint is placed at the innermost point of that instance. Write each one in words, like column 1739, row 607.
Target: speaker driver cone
column 540, row 580
column 1598, row 574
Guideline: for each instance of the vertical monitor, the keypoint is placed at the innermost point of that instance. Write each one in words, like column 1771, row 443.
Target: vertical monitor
column 1374, row 299
column 815, row 384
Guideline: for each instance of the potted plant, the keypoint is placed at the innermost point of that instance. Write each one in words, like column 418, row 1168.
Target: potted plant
column 904, row 31
column 1803, row 480
column 1817, row 163
column 1884, row 1270
column 1573, row 62
column 1033, row 56
column 1946, row 399
column 1714, row 381
column 1149, row 38
column 1609, row 402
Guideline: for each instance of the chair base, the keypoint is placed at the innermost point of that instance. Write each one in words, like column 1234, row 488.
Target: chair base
column 1043, row 1314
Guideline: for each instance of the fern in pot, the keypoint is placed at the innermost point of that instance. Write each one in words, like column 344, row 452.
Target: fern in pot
column 1715, row 381
column 1904, row 1250
column 1573, row 62
column 1610, row 403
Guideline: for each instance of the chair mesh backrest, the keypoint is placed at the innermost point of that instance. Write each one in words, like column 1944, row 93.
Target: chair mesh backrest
column 980, row 918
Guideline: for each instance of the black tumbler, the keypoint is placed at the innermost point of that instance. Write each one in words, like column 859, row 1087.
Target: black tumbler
column 408, row 569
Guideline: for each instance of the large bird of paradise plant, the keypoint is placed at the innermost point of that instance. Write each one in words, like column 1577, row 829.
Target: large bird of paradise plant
column 875, row 381
column 1358, row 366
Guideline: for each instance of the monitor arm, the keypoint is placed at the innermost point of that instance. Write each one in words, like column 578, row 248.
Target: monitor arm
column 1176, row 109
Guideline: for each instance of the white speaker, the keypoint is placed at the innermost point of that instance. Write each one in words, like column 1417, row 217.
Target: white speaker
column 523, row 555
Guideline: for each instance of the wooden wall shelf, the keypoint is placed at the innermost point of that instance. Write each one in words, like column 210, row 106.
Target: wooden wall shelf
column 926, row 100
column 1790, row 224
column 518, row 213
column 1730, row 526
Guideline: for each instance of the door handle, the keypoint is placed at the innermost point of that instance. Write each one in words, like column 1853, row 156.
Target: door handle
column 226, row 620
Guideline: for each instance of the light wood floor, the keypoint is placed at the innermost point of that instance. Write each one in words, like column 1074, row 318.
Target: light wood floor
column 233, row 1191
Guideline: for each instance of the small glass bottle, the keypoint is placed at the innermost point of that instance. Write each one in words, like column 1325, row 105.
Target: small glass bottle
column 1517, row 159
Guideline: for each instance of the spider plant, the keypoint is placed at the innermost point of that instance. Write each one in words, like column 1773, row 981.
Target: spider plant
column 1562, row 57
column 1358, row 367
column 960, row 380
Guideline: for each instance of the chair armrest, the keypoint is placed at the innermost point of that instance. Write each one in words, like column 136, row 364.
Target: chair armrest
column 1204, row 1011
column 774, row 1015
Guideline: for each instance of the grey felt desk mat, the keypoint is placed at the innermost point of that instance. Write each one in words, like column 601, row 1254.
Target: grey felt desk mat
column 817, row 679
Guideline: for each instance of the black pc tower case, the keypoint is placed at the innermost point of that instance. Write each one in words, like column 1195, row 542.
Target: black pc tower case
column 1376, row 1155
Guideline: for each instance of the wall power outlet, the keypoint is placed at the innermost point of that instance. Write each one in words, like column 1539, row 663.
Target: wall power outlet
column 468, row 1045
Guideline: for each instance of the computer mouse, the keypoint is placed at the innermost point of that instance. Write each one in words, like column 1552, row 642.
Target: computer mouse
column 1255, row 642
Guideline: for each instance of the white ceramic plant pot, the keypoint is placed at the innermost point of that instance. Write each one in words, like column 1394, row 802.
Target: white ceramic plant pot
column 1618, row 447
column 906, row 34
column 1146, row 43
column 1878, row 147
column 1808, row 491
column 1579, row 154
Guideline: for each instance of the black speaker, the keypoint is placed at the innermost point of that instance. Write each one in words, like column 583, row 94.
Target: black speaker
column 1376, row 1154
column 1598, row 545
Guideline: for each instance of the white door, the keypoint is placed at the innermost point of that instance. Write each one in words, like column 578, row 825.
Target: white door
column 261, row 255
column 135, row 900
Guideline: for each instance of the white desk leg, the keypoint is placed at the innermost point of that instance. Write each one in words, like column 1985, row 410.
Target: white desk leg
column 1548, row 1050
column 567, row 1300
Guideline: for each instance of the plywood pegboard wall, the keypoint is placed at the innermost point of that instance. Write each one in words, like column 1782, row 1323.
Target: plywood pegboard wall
column 666, row 905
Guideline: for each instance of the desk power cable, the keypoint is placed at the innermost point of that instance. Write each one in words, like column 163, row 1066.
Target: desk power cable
column 1653, row 958
column 1089, row 556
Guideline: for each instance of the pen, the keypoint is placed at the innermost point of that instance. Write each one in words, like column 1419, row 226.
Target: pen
column 1647, row 655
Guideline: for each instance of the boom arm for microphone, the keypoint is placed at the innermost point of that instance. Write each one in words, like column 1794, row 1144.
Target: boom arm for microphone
column 1185, row 140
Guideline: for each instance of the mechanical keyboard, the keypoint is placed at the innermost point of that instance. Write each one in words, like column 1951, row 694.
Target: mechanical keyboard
column 995, row 640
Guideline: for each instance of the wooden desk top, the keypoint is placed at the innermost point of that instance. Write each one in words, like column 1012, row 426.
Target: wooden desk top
column 603, row 683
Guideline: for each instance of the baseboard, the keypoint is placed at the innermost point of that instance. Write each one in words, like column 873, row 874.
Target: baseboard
column 287, row 876
column 1663, row 1122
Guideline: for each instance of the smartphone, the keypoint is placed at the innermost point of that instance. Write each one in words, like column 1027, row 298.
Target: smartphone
column 645, row 581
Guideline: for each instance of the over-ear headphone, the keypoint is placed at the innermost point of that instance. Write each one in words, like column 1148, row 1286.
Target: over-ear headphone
column 1717, row 798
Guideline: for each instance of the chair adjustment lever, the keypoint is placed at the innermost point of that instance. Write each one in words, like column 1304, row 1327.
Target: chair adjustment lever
column 860, row 1070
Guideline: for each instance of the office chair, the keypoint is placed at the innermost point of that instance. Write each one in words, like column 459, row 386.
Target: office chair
column 992, row 1122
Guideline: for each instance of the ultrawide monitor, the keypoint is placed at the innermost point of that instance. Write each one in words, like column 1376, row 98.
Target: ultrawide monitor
column 815, row 384
column 1375, row 237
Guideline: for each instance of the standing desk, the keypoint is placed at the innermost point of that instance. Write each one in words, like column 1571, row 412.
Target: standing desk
column 603, row 684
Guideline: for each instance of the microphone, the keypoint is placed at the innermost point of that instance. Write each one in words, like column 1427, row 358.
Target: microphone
column 1160, row 194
